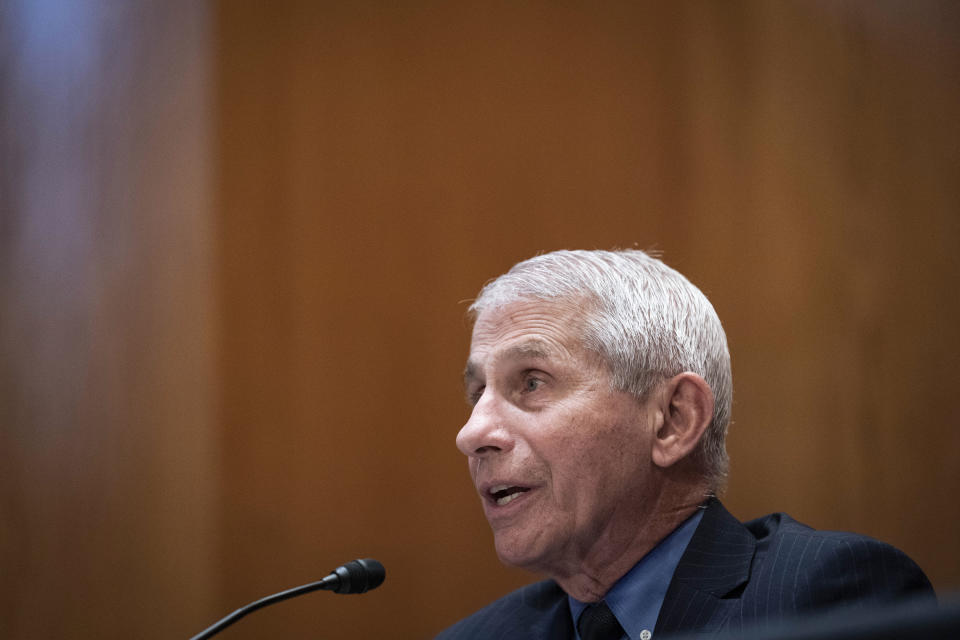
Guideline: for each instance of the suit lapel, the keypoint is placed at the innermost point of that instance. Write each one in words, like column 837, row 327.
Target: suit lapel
column 545, row 613
column 711, row 573
column 560, row 625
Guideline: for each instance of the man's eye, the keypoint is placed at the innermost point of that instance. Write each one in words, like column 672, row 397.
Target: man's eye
column 473, row 397
column 532, row 384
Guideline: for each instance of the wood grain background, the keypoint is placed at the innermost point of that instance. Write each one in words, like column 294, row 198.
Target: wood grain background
column 236, row 244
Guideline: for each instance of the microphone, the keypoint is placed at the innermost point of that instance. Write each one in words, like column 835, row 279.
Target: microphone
column 358, row 576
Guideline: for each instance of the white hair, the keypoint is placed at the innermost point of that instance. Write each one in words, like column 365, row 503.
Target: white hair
column 646, row 320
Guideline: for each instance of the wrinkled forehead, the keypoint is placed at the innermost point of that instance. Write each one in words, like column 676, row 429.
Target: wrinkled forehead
column 529, row 328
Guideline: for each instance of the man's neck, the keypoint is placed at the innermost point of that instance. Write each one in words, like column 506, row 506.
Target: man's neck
column 601, row 569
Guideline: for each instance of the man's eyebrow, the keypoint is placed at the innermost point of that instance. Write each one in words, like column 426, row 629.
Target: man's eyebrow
column 533, row 349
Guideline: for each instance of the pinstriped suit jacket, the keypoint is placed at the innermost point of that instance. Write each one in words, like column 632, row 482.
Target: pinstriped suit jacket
column 732, row 575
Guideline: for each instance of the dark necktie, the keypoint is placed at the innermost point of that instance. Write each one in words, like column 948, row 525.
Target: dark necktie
column 597, row 622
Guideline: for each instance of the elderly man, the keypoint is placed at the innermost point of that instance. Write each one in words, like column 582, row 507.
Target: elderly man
column 601, row 393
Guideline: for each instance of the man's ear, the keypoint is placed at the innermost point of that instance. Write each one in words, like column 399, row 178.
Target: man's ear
column 687, row 404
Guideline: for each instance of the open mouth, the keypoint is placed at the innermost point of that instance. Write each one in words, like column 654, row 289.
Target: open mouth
column 504, row 494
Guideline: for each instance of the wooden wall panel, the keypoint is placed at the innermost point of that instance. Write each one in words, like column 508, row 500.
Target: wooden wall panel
column 378, row 163
column 377, row 166
column 107, row 459
column 850, row 329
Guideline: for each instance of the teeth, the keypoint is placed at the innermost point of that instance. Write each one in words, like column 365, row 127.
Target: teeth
column 504, row 494
column 506, row 499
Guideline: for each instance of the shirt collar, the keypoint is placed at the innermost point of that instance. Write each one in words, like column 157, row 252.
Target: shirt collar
column 636, row 598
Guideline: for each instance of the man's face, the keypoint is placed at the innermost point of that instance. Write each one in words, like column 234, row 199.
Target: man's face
column 561, row 460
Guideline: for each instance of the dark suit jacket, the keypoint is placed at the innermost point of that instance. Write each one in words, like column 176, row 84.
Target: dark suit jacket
column 732, row 575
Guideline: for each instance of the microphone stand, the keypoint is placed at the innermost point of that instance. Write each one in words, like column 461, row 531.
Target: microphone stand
column 259, row 604
column 358, row 576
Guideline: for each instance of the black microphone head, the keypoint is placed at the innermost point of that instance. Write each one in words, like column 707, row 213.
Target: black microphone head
column 359, row 576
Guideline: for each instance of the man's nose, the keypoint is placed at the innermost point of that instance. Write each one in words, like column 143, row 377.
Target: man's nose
column 485, row 433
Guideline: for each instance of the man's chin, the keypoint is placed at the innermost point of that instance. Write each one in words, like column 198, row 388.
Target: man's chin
column 519, row 554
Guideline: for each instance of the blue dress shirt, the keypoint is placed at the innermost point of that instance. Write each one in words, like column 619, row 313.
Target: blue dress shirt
column 636, row 598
